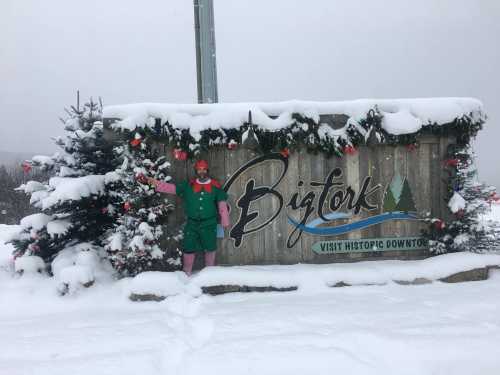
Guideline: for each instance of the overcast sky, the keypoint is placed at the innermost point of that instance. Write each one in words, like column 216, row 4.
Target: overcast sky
column 134, row 51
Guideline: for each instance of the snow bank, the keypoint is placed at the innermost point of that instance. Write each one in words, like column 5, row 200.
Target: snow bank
column 312, row 276
column 79, row 265
column 402, row 116
column 82, row 254
column 29, row 264
column 75, row 275
column 162, row 284
column 65, row 258
column 7, row 232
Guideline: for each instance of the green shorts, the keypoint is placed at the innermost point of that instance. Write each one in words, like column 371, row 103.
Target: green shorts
column 200, row 235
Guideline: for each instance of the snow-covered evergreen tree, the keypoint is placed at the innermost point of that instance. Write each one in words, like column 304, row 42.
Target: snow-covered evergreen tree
column 469, row 201
column 137, row 243
column 73, row 203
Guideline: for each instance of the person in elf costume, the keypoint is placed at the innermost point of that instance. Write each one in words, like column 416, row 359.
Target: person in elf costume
column 203, row 198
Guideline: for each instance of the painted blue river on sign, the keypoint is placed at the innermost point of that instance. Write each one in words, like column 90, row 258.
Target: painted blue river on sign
column 345, row 228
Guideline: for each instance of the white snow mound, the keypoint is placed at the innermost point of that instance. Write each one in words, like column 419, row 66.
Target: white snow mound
column 162, row 284
column 315, row 276
column 29, row 264
column 76, row 275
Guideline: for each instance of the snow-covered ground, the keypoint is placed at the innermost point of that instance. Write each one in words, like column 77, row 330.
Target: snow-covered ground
column 434, row 329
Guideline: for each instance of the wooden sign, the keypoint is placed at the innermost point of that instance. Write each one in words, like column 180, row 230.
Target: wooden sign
column 281, row 205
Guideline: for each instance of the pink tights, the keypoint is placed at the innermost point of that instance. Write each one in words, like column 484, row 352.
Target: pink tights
column 188, row 260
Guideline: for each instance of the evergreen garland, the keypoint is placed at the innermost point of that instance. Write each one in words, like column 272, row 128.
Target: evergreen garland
column 309, row 133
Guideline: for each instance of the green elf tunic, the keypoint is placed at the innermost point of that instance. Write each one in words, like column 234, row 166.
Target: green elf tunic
column 200, row 206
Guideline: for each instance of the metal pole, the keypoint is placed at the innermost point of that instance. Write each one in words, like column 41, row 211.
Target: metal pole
column 206, row 67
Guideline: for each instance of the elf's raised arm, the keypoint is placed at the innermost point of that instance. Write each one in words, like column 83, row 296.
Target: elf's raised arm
column 162, row 187
column 165, row 187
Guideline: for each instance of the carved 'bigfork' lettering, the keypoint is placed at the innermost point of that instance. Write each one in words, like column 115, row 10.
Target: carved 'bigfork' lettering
column 337, row 200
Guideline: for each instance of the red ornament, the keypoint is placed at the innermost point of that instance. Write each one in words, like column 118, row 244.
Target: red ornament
column 140, row 178
column 180, row 154
column 127, row 206
column 285, row 152
column 104, row 210
column 439, row 224
column 411, row 147
column 135, row 142
column 451, row 162
column 494, row 197
column 349, row 150
column 34, row 247
column 232, row 145
column 26, row 167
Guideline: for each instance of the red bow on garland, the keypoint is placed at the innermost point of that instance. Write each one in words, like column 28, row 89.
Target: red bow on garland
column 197, row 187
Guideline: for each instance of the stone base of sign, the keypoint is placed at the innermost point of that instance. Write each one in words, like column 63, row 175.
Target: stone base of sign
column 476, row 274
column 146, row 297
column 223, row 289
column 417, row 281
column 340, row 284
column 64, row 288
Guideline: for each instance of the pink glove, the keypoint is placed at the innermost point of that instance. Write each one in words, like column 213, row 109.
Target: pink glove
column 224, row 214
column 165, row 187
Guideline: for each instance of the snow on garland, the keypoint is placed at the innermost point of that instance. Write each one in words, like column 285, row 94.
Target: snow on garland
column 268, row 127
column 274, row 126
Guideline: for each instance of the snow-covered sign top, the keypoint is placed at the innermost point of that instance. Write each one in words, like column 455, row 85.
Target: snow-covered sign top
column 399, row 116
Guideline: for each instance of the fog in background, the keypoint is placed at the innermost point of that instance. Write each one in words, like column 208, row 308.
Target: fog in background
column 143, row 51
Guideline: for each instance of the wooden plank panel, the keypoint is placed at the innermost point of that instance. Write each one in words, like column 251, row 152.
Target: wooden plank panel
column 400, row 226
column 418, row 174
column 228, row 253
column 256, row 239
column 444, row 142
column 217, row 168
column 290, row 187
column 304, row 168
column 312, row 169
column 386, row 174
column 178, row 174
column 275, row 233
column 435, row 166
column 352, row 179
column 367, row 166
column 251, row 250
column 329, row 164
